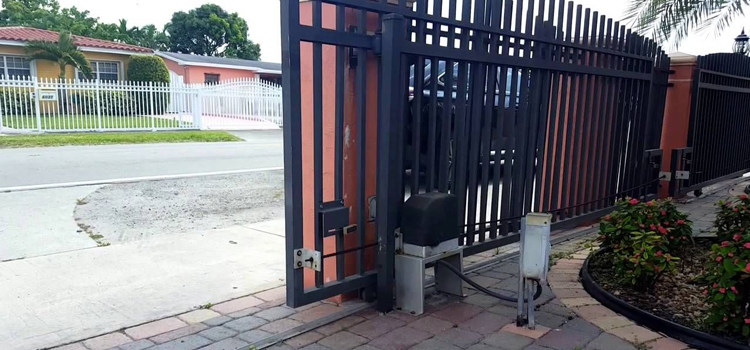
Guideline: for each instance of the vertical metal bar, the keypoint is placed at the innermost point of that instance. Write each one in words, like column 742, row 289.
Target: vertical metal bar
column 462, row 143
column 292, row 147
column 606, row 120
column 361, row 98
column 544, row 132
column 564, row 122
column 578, row 160
column 390, row 152
column 594, row 133
column 317, row 64
column 339, row 144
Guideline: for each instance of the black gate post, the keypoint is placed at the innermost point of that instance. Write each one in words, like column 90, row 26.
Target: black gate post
column 292, row 144
column 390, row 170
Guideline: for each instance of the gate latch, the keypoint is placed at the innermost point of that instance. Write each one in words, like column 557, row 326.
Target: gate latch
column 307, row 258
column 682, row 175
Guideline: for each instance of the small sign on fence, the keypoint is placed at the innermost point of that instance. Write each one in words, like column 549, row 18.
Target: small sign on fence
column 46, row 95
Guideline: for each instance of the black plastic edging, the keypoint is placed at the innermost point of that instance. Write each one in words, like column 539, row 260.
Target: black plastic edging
column 687, row 335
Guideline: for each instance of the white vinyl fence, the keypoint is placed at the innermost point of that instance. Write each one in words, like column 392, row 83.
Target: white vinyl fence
column 53, row 105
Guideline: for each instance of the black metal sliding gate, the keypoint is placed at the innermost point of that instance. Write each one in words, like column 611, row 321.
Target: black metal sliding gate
column 718, row 144
column 513, row 106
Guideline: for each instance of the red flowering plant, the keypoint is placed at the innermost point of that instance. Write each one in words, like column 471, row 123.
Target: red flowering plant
column 643, row 238
column 727, row 274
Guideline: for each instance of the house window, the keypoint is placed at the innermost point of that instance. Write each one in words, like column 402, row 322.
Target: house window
column 105, row 71
column 15, row 67
column 211, row 78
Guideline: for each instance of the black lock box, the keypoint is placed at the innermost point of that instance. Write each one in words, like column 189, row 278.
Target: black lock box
column 429, row 219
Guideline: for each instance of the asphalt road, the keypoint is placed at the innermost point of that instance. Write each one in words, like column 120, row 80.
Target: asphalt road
column 42, row 166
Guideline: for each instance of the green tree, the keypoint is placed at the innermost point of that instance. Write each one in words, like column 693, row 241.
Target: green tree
column 212, row 31
column 672, row 20
column 65, row 53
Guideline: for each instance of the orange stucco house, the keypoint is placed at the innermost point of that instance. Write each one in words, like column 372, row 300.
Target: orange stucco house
column 196, row 69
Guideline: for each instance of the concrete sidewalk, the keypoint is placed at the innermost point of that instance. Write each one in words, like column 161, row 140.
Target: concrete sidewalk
column 59, row 298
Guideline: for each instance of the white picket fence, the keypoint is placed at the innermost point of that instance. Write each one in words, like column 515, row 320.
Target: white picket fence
column 54, row 105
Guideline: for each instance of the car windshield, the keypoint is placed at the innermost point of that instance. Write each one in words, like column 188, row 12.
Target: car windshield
column 427, row 71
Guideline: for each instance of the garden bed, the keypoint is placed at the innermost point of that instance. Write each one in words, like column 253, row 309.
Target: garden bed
column 676, row 306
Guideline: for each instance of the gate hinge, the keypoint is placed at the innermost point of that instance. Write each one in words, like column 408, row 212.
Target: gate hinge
column 665, row 176
column 307, row 258
column 682, row 175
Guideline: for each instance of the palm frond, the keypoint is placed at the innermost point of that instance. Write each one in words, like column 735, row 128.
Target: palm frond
column 33, row 47
column 78, row 60
column 66, row 43
column 671, row 21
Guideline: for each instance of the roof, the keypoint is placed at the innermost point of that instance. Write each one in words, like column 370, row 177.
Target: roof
column 26, row 34
column 185, row 59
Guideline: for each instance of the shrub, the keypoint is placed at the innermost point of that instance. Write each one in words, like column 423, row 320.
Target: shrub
column 149, row 69
column 17, row 103
column 728, row 269
column 117, row 103
column 643, row 238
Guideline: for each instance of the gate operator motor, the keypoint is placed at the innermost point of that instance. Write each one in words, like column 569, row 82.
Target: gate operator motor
column 533, row 262
column 428, row 234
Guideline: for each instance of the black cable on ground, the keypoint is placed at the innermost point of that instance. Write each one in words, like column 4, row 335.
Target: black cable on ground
column 485, row 290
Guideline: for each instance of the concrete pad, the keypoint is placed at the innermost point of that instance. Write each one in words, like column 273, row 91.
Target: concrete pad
column 55, row 299
column 35, row 223
column 274, row 227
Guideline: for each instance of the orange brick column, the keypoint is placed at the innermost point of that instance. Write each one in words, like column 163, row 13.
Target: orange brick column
column 677, row 111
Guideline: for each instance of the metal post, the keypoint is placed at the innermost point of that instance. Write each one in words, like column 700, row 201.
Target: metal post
column 198, row 109
column 151, row 102
column 36, row 103
column 98, row 107
column 389, row 162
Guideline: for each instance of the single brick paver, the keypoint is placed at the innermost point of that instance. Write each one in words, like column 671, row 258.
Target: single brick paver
column 282, row 325
column 485, row 323
column 434, row 344
column 565, row 340
column 275, row 313
column 537, row 333
column 400, row 339
column 343, row 341
column 482, row 300
column 341, row 324
column 107, row 341
column 635, row 334
column 227, row 344
column 254, row 335
column 667, row 344
column 178, row 333
column 608, row 341
column 74, row 346
column 316, row 312
column 137, row 345
column 217, row 321
column 151, row 329
column 244, row 312
column 431, row 324
column 315, row 347
column 593, row 312
column 191, row 342
column 507, row 340
column 237, row 305
column 277, row 293
column 304, row 339
column 608, row 323
column 459, row 337
column 549, row 320
column 458, row 312
column 198, row 316
column 377, row 326
column 246, row 323
column 218, row 333
column 575, row 302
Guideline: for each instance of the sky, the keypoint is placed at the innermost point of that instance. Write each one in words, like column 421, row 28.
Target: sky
column 263, row 20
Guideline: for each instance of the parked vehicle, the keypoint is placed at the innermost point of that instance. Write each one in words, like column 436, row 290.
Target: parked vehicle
column 441, row 93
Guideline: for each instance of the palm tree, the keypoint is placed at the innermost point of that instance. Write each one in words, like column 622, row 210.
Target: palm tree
column 672, row 20
column 65, row 53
